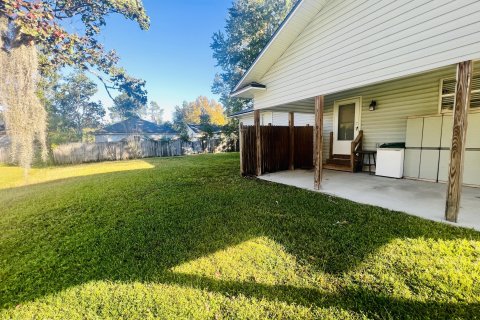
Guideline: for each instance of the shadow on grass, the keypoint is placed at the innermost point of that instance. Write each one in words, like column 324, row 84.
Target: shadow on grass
column 137, row 225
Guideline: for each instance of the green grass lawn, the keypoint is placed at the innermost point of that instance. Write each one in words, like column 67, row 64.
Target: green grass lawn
column 190, row 238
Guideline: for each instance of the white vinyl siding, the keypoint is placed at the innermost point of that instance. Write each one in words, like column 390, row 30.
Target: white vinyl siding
column 397, row 100
column 280, row 119
column 353, row 43
column 247, row 120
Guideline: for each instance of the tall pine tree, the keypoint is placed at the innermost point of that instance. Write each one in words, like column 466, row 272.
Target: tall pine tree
column 250, row 25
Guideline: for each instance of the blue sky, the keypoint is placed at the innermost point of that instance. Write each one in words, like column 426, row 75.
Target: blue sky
column 174, row 56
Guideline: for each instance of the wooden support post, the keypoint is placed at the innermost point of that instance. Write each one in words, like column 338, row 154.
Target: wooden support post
column 318, row 138
column 291, row 124
column 240, row 142
column 258, row 137
column 457, row 152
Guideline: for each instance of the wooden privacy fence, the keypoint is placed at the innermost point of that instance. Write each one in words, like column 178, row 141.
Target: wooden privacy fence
column 275, row 148
column 75, row 153
column 4, row 155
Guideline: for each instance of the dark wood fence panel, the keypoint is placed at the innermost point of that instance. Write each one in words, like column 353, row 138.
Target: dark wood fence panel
column 249, row 154
column 304, row 147
column 276, row 148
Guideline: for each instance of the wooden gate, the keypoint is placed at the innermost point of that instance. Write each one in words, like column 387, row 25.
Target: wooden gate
column 275, row 148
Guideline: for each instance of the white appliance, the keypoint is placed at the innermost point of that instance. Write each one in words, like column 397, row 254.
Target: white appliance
column 390, row 162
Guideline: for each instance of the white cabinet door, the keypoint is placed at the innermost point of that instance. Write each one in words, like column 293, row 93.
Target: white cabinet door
column 432, row 132
column 444, row 165
column 429, row 165
column 414, row 133
column 411, row 168
column 471, row 172
column 473, row 131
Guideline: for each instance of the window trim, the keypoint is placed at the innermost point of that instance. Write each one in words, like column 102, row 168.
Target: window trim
column 440, row 95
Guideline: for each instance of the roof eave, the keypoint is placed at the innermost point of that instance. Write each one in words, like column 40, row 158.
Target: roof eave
column 248, row 92
column 301, row 6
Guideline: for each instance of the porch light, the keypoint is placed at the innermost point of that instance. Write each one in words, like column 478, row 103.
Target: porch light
column 373, row 105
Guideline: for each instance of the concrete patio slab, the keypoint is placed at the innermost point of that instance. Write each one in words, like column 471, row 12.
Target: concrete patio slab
column 419, row 198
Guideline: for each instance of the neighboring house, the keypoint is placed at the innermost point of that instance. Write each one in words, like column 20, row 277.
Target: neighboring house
column 246, row 118
column 135, row 127
column 197, row 132
column 374, row 74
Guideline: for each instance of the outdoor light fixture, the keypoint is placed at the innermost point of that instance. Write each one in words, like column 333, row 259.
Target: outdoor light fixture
column 373, row 105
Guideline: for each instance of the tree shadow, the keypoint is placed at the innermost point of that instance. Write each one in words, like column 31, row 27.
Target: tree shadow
column 137, row 225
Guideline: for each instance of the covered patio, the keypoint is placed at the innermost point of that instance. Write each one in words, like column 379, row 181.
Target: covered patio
column 419, row 198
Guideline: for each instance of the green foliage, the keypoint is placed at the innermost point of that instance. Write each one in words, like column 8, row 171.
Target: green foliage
column 42, row 22
column 250, row 25
column 125, row 107
column 71, row 106
column 190, row 238
column 152, row 112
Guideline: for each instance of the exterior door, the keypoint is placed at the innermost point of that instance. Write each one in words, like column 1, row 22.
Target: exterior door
column 346, row 124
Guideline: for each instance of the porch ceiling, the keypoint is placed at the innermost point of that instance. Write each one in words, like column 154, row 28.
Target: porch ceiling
column 301, row 106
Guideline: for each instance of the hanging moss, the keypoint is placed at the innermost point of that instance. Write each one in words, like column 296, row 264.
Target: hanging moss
column 25, row 116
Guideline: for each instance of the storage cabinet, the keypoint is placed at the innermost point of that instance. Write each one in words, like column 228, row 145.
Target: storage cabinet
column 428, row 143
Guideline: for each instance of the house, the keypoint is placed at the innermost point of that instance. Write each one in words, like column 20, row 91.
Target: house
column 371, row 73
column 135, row 127
column 198, row 132
column 246, row 118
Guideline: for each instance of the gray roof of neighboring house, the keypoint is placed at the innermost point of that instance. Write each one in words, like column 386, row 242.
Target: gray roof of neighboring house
column 199, row 128
column 137, row 126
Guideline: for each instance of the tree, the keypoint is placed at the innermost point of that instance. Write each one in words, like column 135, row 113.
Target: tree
column 179, row 119
column 34, row 41
column 72, row 108
column 193, row 111
column 125, row 106
column 249, row 26
column 152, row 112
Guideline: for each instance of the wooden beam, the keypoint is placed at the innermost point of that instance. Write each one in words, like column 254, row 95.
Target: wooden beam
column 240, row 142
column 256, row 117
column 291, row 124
column 318, row 134
column 457, row 152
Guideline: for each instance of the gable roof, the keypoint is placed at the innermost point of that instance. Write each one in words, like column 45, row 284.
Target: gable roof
column 296, row 21
column 137, row 126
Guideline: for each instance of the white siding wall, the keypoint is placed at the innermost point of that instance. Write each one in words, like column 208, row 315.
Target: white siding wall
column 247, row 120
column 396, row 101
column 280, row 119
column 353, row 43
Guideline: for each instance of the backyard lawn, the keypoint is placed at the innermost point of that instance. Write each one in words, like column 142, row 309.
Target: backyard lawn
column 190, row 238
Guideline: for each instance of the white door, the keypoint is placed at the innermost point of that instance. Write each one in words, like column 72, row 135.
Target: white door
column 346, row 124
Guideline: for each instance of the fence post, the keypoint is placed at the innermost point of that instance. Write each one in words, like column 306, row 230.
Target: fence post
column 258, row 144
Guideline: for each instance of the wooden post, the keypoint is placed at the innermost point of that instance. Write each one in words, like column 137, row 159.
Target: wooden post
column 457, row 152
column 291, row 124
column 241, row 141
column 258, row 138
column 318, row 134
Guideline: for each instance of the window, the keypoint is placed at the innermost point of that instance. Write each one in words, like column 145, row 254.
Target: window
column 346, row 122
column 447, row 94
